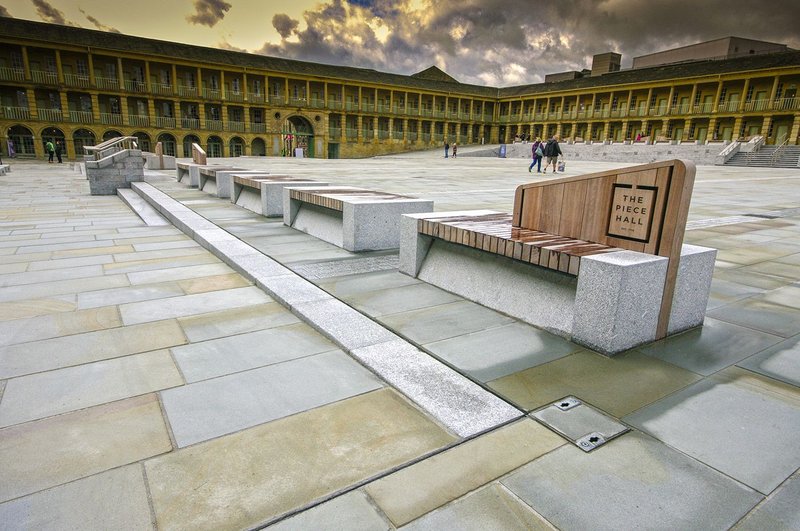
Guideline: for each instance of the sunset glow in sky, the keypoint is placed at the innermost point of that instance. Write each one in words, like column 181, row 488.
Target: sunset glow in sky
column 487, row 42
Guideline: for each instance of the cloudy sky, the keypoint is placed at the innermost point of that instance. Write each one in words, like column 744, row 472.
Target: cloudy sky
column 487, row 42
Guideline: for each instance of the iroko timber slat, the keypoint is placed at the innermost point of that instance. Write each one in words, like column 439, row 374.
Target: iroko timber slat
column 494, row 233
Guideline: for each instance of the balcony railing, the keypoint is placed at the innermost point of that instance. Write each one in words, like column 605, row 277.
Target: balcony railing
column 44, row 77
column 17, row 113
column 236, row 126
column 728, row 106
column 276, row 99
column 161, row 88
column 367, row 107
column 107, row 83
column 703, row 108
column 426, row 137
column 110, row 118
column 786, row 104
column 232, row 95
column 756, row 105
column 351, row 106
column 166, row 122
column 317, row 103
column 12, row 74
column 334, row 132
column 81, row 117
column 256, row 127
column 351, row 134
column 214, row 125
column 134, row 85
column 397, row 135
column 190, row 123
column 412, row 136
column 212, row 93
column 256, row 97
column 383, row 134
column 76, row 80
column 187, row 91
column 50, row 115
column 139, row 120
column 335, row 105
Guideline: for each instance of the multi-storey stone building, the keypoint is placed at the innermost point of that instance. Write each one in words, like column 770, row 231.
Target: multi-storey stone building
column 84, row 86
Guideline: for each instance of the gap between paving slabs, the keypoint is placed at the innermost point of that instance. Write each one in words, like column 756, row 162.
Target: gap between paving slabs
column 458, row 403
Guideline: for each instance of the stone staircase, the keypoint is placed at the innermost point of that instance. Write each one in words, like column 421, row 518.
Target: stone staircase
column 789, row 157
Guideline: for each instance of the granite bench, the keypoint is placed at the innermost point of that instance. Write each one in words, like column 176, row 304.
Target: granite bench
column 263, row 193
column 191, row 171
column 353, row 218
column 597, row 259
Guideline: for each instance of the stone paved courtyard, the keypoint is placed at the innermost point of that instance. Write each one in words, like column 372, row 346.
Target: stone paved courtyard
column 145, row 383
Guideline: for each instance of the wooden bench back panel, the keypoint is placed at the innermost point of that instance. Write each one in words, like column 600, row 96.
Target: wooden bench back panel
column 640, row 208
column 581, row 207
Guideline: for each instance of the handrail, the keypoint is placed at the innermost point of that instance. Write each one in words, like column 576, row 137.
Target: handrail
column 780, row 149
column 751, row 148
column 113, row 145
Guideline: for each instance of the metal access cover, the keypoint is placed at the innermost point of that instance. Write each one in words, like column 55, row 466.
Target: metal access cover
column 583, row 425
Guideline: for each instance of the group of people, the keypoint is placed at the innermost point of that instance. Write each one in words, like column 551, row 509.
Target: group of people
column 447, row 149
column 54, row 149
column 549, row 150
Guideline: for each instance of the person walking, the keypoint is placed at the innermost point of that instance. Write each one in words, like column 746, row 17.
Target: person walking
column 455, row 149
column 552, row 150
column 446, row 149
column 59, row 149
column 537, row 152
column 51, row 150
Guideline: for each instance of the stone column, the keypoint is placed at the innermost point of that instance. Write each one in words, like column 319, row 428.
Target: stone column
column 95, row 108
column 26, row 65
column 744, row 95
column 794, row 132
column 765, row 126
column 59, row 69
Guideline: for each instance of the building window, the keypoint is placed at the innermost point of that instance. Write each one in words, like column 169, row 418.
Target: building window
column 85, row 103
column 141, row 107
column 16, row 60
column 113, row 103
column 779, row 91
column 22, row 99
column 189, row 79
column 213, row 82
column 749, row 95
column 166, row 109
column 111, row 70
column 82, row 67
column 722, row 95
column 164, row 76
column 257, row 86
column 51, row 65
column 55, row 100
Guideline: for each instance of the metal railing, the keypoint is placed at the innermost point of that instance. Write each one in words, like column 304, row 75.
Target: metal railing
column 165, row 122
column 190, row 123
column 161, row 88
column 81, row 117
column 134, row 85
column 782, row 142
column 139, row 120
column 110, row 118
column 236, row 126
column 256, row 127
column 212, row 94
column 109, row 147
column 107, row 83
column 214, row 125
column 76, row 80
column 44, row 77
column 17, row 113
column 12, row 74
column 50, row 115
column 187, row 91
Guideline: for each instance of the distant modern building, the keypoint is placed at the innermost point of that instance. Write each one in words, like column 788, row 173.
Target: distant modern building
column 725, row 48
column 85, row 86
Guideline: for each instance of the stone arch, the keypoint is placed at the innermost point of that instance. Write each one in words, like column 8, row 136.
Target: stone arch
column 214, row 146
column 21, row 139
column 167, row 143
column 81, row 138
column 236, row 147
column 297, row 132
column 143, row 139
column 258, row 148
column 188, row 140
column 111, row 133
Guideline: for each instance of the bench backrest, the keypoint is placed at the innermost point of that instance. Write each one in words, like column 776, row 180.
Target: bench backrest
column 198, row 154
column 639, row 208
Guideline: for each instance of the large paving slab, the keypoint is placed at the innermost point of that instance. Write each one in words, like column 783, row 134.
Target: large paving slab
column 414, row 491
column 616, row 385
column 116, row 499
column 49, row 452
column 259, row 474
column 781, row 361
column 236, row 321
column 210, row 408
column 739, row 422
column 49, row 393
column 780, row 511
column 218, row 357
column 500, row 351
column 633, row 482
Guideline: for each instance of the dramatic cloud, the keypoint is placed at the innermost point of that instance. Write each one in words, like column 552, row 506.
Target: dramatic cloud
column 285, row 25
column 208, row 12
column 99, row 25
column 49, row 13
column 4, row 12
column 511, row 42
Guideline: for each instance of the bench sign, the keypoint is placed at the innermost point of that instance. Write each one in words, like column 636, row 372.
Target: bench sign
column 631, row 215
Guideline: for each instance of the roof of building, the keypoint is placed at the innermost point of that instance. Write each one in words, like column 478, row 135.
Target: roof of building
column 27, row 29
column 432, row 79
column 662, row 73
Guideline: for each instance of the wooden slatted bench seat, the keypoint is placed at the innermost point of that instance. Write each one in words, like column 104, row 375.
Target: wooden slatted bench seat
column 495, row 233
column 263, row 194
column 355, row 219
column 598, row 259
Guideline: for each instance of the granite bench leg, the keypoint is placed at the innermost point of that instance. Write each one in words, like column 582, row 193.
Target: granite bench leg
column 692, row 288
column 194, row 176
column 618, row 300
column 375, row 226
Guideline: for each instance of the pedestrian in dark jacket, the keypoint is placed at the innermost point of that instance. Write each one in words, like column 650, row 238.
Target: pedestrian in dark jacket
column 552, row 150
